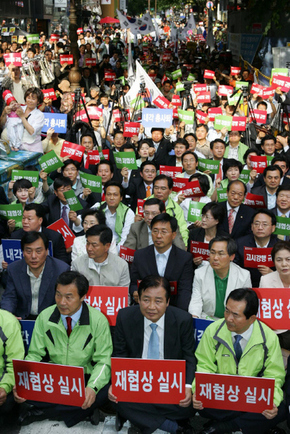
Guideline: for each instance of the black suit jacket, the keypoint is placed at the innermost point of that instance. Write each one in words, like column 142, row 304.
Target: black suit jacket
column 260, row 181
column 179, row 268
column 59, row 250
column 178, row 336
column 136, row 190
column 260, row 191
column 161, row 155
column 249, row 241
column 242, row 225
column 198, row 234
column 52, row 209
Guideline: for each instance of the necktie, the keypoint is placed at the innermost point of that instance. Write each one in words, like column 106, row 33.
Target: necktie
column 231, row 220
column 148, row 191
column 220, row 174
column 153, row 347
column 64, row 214
column 69, row 329
column 237, row 346
column 281, row 237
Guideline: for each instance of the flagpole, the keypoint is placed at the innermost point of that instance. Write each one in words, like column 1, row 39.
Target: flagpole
column 155, row 8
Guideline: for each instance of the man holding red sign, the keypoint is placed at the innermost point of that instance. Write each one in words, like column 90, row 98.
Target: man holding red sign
column 240, row 344
column 155, row 330
column 75, row 334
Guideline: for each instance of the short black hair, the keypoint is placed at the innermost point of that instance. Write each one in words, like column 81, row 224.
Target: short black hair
column 70, row 161
column 102, row 231
column 231, row 244
column 97, row 213
column 268, row 137
column 114, row 184
column 107, row 163
column 181, row 142
column 201, row 125
column 267, row 212
column 189, row 153
column 272, row 169
column 217, row 210
column 127, row 146
column 162, row 178
column 282, row 188
column 61, row 181
column 32, row 236
column 250, row 151
column 148, row 163
column 247, row 295
column 37, row 207
column 203, row 181
column 155, row 201
column 280, row 245
column 21, row 183
column 157, row 129
column 232, row 162
column 166, row 218
column 213, row 142
column 87, row 135
column 190, row 134
column 76, row 278
column 280, row 157
column 154, row 282
column 35, row 91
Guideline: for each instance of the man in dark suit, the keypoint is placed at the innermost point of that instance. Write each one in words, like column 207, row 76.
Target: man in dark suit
column 164, row 259
column 31, row 281
column 272, row 177
column 263, row 226
column 32, row 220
column 56, row 206
column 238, row 218
column 279, row 160
column 282, row 208
column 162, row 147
column 133, row 339
column 140, row 188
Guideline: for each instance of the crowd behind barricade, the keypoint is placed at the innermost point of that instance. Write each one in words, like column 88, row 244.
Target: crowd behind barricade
column 187, row 215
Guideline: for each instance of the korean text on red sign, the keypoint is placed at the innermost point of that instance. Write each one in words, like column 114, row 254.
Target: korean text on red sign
column 255, row 256
column 49, row 382
column 147, row 380
column 61, row 227
column 234, row 392
column 108, row 299
column 274, row 307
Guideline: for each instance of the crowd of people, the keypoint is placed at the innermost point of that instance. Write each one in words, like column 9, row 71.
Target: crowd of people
column 168, row 284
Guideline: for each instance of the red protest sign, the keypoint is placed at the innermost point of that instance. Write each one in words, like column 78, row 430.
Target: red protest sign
column 258, row 163
column 148, row 381
column 49, row 93
column 94, row 112
column 117, row 115
column 200, row 87
column 67, row 235
column 208, row 74
column 260, row 116
column 110, row 76
column 91, row 61
column 235, row 70
column 127, row 254
column 234, row 392
column 74, row 151
column 200, row 116
column 108, row 299
column 14, row 58
column 80, row 30
column 170, row 170
column 48, row 382
column 140, row 207
column 239, row 123
column 131, row 129
column 286, row 119
column 213, row 112
column 257, row 89
column 197, row 248
column 179, row 183
column 224, row 90
column 161, row 102
column 66, row 58
column 193, row 189
column 166, row 57
column 176, row 101
column 106, row 153
column 54, row 37
column 267, row 92
column 274, row 307
column 81, row 116
column 203, row 97
column 152, row 76
column 93, row 157
column 255, row 256
column 255, row 201
column 279, row 81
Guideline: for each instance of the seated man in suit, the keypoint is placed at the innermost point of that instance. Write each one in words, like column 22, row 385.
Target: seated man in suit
column 238, row 220
column 140, row 232
column 165, row 259
column 162, row 147
column 272, row 177
column 282, row 208
column 213, row 282
column 279, row 160
column 141, row 187
column 263, row 226
column 99, row 265
column 240, row 344
column 133, row 339
column 31, row 281
column 56, row 206
column 180, row 146
column 218, row 149
column 71, row 324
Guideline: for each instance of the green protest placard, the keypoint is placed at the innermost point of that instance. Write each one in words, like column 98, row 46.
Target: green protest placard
column 179, row 86
column 13, row 211
column 186, row 116
column 101, row 155
column 32, row 176
column 50, row 162
column 168, row 74
column 191, row 77
column 240, row 84
column 33, row 39
column 176, row 74
column 222, row 194
column 212, row 165
column 279, row 71
column 222, row 121
column 194, row 211
column 122, row 79
column 94, row 183
column 282, row 226
column 269, row 159
column 124, row 65
column 125, row 159
column 245, row 176
column 72, row 200
column 139, row 105
column 232, row 100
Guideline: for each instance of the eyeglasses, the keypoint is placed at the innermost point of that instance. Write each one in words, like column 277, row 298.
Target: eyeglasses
column 150, row 214
column 206, row 217
column 258, row 224
column 163, row 232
